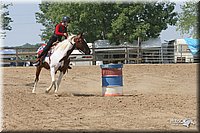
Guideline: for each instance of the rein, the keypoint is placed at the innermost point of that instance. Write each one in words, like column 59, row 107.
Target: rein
column 80, row 51
column 73, row 43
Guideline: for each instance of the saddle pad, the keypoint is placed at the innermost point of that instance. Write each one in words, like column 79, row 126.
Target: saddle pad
column 41, row 48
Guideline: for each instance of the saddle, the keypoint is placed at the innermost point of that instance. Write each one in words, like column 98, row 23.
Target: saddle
column 41, row 48
column 50, row 52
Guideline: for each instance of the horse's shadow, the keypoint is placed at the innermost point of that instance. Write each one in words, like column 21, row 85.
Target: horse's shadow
column 29, row 84
column 77, row 95
column 85, row 95
column 32, row 84
column 90, row 95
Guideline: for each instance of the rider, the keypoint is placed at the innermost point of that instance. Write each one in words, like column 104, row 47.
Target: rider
column 60, row 31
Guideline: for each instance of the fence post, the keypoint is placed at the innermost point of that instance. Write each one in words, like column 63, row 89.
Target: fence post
column 126, row 55
column 161, row 53
column 17, row 57
column 94, row 55
column 138, row 50
column 181, row 54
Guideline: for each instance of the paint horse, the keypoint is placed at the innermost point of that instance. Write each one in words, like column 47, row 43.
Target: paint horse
column 59, row 59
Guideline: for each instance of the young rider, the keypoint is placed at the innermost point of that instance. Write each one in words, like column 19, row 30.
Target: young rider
column 60, row 31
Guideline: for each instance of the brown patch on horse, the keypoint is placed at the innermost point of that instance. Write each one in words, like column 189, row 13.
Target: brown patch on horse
column 45, row 65
column 68, row 53
column 64, row 68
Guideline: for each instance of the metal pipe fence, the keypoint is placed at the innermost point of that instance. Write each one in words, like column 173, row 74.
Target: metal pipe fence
column 117, row 54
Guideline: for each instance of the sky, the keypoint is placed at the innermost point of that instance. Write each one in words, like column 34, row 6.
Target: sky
column 26, row 30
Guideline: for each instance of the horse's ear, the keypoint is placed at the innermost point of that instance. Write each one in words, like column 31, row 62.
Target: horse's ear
column 80, row 34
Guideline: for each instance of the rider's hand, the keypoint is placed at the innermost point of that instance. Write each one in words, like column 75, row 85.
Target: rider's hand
column 65, row 34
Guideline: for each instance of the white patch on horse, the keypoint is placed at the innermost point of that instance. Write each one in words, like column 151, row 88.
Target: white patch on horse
column 60, row 51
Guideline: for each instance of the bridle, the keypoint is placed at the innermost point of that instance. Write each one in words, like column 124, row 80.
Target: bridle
column 74, row 45
column 80, row 50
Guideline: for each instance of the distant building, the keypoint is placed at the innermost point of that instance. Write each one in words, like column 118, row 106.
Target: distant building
column 6, row 56
column 175, row 51
column 182, row 51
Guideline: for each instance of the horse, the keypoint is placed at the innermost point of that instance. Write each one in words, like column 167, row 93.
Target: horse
column 59, row 60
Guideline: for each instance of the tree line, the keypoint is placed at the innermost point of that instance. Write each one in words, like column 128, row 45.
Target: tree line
column 117, row 22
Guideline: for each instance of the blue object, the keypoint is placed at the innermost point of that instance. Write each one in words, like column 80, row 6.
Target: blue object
column 193, row 45
column 111, row 66
column 112, row 81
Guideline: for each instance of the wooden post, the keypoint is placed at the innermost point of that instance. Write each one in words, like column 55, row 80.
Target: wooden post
column 17, row 57
column 162, row 61
column 126, row 55
column 181, row 54
column 138, row 50
column 93, row 54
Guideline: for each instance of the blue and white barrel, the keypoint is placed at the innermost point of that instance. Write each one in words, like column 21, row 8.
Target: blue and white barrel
column 112, row 79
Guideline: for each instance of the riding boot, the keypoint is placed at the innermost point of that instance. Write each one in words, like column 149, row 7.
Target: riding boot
column 37, row 62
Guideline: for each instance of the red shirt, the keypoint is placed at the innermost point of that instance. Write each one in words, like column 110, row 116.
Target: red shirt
column 60, row 30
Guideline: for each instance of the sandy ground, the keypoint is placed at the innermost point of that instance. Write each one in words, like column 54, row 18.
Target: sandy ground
column 155, row 97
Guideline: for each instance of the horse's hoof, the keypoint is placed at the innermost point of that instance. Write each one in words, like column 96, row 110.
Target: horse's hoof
column 69, row 67
column 46, row 91
column 56, row 91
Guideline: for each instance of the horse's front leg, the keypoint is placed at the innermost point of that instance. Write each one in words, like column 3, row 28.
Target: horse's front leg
column 38, row 70
column 35, row 85
column 49, row 88
column 53, row 81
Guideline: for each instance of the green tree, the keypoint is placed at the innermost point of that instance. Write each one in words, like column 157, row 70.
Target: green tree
column 89, row 18
column 144, row 20
column 187, row 19
column 117, row 22
column 6, row 20
column 45, row 20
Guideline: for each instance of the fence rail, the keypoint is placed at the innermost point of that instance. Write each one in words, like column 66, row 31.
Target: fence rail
column 125, row 54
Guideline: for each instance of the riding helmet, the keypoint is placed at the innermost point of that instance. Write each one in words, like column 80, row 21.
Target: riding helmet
column 66, row 19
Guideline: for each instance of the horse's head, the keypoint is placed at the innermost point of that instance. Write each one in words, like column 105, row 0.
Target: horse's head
column 81, row 44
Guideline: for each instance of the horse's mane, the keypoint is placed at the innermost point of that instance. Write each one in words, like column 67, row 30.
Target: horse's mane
column 70, row 37
column 65, row 42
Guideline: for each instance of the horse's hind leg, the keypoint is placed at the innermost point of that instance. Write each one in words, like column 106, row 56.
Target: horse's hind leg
column 53, row 82
column 62, row 72
column 38, row 70
column 59, row 78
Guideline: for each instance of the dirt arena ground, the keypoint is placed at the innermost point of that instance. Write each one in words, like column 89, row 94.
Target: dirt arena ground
column 155, row 97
